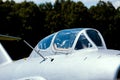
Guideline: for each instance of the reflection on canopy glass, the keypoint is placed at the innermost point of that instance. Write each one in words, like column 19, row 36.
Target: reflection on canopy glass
column 45, row 43
column 65, row 39
column 95, row 37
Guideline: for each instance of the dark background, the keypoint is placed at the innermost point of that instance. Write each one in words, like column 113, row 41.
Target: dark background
column 33, row 22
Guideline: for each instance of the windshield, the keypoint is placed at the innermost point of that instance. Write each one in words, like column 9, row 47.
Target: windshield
column 65, row 38
column 45, row 43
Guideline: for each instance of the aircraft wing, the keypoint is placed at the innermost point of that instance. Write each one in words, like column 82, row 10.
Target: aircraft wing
column 4, row 57
column 9, row 38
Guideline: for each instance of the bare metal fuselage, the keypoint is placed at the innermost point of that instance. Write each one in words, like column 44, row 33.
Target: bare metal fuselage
column 91, row 65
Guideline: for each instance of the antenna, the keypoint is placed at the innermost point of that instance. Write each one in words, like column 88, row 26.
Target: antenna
column 35, row 50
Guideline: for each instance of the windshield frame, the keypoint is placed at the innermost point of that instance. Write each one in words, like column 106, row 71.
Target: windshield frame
column 94, row 46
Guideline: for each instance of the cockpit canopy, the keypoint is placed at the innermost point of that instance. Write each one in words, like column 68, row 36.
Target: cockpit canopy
column 72, row 39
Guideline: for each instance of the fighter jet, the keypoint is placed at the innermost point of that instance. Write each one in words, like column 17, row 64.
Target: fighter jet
column 69, row 54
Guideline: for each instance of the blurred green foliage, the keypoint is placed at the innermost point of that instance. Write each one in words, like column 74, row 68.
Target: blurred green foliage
column 33, row 22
